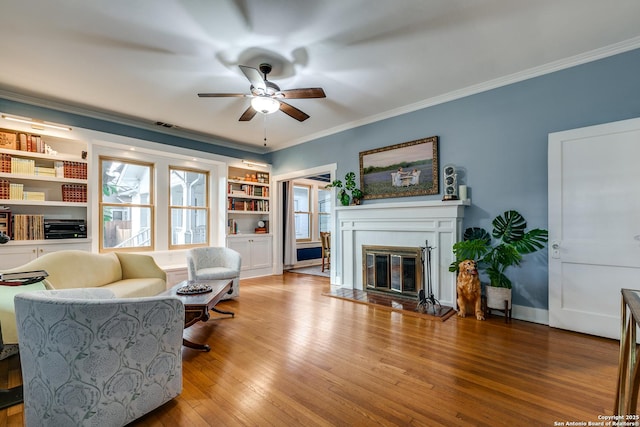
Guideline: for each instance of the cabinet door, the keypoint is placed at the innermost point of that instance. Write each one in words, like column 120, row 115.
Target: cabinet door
column 15, row 256
column 243, row 246
column 80, row 246
column 260, row 252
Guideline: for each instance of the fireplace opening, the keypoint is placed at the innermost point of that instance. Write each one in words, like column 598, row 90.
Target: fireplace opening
column 393, row 269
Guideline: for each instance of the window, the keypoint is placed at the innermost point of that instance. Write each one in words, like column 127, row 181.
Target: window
column 312, row 206
column 126, row 205
column 188, row 208
column 302, row 211
column 324, row 211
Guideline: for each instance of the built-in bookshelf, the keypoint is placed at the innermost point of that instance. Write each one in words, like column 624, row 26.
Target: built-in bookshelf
column 248, row 201
column 41, row 176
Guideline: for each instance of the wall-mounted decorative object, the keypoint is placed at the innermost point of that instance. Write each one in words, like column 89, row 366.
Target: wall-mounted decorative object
column 406, row 169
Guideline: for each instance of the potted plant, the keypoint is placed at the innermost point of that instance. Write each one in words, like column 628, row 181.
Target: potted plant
column 348, row 190
column 497, row 251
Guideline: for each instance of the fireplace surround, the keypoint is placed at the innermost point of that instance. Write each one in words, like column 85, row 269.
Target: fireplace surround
column 402, row 224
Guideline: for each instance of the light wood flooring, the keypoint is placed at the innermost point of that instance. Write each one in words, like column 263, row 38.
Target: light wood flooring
column 293, row 357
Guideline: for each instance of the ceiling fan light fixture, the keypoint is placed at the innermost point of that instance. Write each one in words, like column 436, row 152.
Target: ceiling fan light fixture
column 265, row 104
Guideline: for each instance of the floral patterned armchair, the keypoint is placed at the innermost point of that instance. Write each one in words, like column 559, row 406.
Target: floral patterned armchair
column 210, row 263
column 89, row 358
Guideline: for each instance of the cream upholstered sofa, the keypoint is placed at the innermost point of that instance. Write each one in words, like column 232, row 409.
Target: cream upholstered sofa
column 90, row 359
column 125, row 274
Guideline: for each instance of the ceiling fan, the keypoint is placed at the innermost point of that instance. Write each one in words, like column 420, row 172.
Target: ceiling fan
column 266, row 96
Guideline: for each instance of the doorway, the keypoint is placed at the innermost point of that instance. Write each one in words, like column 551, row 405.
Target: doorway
column 279, row 197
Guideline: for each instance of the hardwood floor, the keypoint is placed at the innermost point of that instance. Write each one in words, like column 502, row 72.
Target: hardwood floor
column 292, row 357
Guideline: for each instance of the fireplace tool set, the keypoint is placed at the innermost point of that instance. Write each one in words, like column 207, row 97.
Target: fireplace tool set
column 425, row 301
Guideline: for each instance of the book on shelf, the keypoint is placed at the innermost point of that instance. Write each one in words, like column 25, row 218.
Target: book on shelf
column 28, row 227
column 34, row 195
column 23, row 166
column 233, row 226
column 16, row 191
column 8, row 139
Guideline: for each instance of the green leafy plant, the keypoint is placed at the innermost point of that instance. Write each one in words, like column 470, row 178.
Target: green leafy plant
column 347, row 190
column 501, row 249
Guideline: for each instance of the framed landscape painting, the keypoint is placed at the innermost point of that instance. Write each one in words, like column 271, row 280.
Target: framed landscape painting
column 406, row 169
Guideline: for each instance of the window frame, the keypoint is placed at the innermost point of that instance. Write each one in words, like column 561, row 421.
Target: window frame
column 205, row 208
column 308, row 213
column 319, row 213
column 314, row 205
column 102, row 204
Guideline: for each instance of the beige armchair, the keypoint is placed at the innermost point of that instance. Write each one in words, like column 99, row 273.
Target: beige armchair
column 212, row 263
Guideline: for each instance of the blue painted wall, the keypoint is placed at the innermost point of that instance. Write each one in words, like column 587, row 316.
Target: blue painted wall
column 499, row 140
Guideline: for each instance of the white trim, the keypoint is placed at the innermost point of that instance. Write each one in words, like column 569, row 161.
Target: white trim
column 276, row 200
column 527, row 314
column 412, row 224
column 558, row 65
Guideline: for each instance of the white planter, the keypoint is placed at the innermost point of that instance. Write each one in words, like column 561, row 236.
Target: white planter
column 497, row 296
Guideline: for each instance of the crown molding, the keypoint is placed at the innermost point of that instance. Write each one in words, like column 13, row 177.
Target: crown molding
column 551, row 67
column 530, row 73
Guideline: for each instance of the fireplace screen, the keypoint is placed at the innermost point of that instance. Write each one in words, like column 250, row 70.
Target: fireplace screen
column 393, row 269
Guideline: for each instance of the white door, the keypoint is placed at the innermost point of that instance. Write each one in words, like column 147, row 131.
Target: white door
column 594, row 225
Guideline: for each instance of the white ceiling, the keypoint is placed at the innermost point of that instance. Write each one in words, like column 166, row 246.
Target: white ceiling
column 147, row 59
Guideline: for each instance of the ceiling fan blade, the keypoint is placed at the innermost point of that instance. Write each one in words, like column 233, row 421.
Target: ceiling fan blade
column 293, row 112
column 311, row 92
column 248, row 114
column 254, row 77
column 222, row 95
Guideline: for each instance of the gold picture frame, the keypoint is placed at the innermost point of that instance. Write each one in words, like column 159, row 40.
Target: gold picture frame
column 400, row 170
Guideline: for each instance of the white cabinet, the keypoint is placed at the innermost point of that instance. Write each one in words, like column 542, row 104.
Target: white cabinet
column 248, row 215
column 256, row 252
column 14, row 255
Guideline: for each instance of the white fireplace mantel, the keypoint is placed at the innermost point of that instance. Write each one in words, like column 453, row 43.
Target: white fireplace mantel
column 437, row 224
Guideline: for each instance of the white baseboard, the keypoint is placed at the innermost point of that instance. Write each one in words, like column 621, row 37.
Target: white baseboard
column 307, row 263
column 528, row 314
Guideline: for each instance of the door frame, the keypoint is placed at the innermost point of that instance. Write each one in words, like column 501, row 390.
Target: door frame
column 278, row 213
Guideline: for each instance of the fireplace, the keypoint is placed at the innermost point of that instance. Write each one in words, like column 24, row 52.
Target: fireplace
column 398, row 225
column 393, row 269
